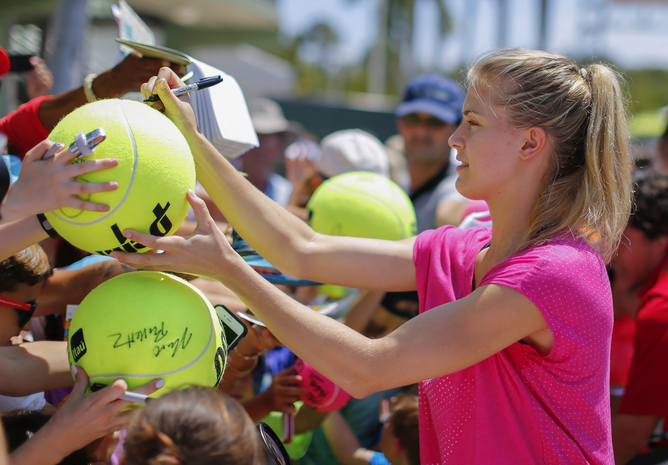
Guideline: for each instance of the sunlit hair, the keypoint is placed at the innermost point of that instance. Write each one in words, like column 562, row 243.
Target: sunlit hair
column 30, row 266
column 194, row 426
column 587, row 186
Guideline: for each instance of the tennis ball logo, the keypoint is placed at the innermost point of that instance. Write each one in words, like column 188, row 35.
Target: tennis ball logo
column 362, row 204
column 155, row 170
column 78, row 345
column 145, row 325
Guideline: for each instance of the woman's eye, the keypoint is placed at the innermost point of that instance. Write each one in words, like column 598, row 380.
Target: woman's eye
column 471, row 122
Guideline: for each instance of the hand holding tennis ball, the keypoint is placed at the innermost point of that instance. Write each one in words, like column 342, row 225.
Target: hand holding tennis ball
column 200, row 254
column 155, row 170
column 46, row 185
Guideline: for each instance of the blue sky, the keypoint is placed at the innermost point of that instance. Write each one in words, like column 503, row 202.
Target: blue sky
column 634, row 36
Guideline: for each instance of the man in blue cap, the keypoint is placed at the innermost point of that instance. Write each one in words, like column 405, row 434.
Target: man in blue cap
column 430, row 112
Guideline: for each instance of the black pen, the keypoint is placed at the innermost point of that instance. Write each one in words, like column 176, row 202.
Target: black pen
column 201, row 84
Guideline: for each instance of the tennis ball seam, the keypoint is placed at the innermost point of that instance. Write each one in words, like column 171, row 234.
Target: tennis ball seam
column 195, row 360
column 131, row 136
column 376, row 200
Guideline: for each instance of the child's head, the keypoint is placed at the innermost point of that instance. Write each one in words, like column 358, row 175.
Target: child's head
column 587, row 183
column 400, row 437
column 21, row 278
column 193, row 426
column 646, row 238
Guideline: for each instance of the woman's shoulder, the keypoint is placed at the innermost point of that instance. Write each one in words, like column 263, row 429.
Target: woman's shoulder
column 564, row 260
column 452, row 236
column 450, row 244
column 567, row 250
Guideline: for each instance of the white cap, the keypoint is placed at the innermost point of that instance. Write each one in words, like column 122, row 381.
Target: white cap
column 352, row 150
column 267, row 116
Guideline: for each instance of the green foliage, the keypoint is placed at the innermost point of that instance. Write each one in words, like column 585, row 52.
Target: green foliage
column 314, row 53
column 648, row 89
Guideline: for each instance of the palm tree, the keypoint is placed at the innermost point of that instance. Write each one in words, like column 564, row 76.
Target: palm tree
column 392, row 53
column 315, row 53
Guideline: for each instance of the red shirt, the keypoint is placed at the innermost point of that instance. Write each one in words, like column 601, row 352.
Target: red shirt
column 621, row 350
column 23, row 128
column 647, row 389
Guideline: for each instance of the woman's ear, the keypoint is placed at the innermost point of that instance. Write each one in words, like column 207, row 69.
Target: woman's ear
column 536, row 141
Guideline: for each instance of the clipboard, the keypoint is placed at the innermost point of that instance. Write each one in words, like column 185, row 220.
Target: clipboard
column 159, row 52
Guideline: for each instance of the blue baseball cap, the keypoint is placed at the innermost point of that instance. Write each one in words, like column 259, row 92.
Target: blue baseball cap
column 436, row 95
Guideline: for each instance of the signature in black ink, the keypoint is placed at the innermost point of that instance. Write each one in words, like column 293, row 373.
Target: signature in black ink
column 154, row 334
column 178, row 343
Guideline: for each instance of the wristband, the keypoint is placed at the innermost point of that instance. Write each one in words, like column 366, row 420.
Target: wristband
column 246, row 357
column 241, row 373
column 46, row 226
column 88, row 88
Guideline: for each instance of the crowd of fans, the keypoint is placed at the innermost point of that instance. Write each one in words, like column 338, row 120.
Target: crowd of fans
column 510, row 364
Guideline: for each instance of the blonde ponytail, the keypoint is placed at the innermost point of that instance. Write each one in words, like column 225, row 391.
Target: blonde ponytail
column 587, row 187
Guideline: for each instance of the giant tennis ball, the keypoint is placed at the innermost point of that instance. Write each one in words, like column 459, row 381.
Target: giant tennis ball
column 154, row 172
column 362, row 204
column 321, row 393
column 145, row 325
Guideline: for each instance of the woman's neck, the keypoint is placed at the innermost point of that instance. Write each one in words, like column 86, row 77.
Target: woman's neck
column 510, row 221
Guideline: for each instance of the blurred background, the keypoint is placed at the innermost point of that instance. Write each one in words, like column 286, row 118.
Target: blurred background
column 343, row 63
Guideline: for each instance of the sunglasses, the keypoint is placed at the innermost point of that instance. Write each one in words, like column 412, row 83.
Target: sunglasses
column 413, row 120
column 273, row 446
column 24, row 310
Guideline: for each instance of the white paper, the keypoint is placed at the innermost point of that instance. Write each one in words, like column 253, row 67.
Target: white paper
column 222, row 113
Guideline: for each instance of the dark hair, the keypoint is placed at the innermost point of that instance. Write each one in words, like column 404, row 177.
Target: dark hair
column 404, row 421
column 650, row 211
column 29, row 266
column 21, row 424
column 194, row 426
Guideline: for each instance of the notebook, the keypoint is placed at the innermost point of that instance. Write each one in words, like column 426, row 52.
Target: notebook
column 157, row 51
column 221, row 110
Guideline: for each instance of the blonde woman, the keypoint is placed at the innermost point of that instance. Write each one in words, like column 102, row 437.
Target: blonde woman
column 511, row 347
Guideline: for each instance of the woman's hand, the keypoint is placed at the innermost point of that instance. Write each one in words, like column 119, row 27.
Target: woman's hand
column 89, row 417
column 284, row 391
column 46, row 185
column 206, row 253
column 81, row 420
column 279, row 397
column 177, row 109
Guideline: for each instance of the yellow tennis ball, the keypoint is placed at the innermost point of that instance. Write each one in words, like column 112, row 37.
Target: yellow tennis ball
column 144, row 325
column 362, row 204
column 155, row 170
